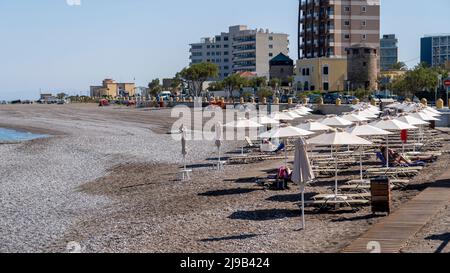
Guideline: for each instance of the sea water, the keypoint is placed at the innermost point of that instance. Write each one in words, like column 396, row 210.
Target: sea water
column 9, row 135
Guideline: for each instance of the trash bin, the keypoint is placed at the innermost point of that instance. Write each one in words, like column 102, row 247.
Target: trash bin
column 381, row 195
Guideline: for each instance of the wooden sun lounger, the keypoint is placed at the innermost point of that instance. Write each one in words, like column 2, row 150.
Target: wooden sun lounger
column 323, row 204
column 352, row 196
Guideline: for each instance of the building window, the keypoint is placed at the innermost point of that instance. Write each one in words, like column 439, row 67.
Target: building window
column 270, row 54
column 270, row 46
column 270, row 38
column 364, row 9
column 347, row 36
column 326, row 86
column 325, row 70
column 226, row 53
column 347, row 8
column 225, row 38
column 347, row 23
column 364, row 64
column 364, row 37
column 364, row 23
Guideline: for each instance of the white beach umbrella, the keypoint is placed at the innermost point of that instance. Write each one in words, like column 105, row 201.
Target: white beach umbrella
column 390, row 124
column 365, row 114
column 301, row 111
column 243, row 124
column 431, row 109
column 281, row 116
column 304, row 108
column 314, row 126
column 285, row 132
column 366, row 130
column 423, row 116
column 408, row 119
column 293, row 114
column 431, row 113
column 265, row 120
column 302, row 173
column 335, row 121
column 354, row 118
column 335, row 139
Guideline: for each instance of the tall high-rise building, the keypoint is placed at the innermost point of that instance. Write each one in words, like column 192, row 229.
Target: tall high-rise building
column 388, row 51
column 435, row 50
column 240, row 50
column 327, row 27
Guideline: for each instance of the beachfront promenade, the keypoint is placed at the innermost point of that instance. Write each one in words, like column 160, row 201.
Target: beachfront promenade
column 393, row 233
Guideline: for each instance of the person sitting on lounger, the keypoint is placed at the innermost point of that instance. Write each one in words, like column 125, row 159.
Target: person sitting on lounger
column 396, row 157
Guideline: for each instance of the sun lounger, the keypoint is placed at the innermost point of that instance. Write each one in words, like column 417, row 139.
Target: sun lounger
column 324, row 204
column 354, row 196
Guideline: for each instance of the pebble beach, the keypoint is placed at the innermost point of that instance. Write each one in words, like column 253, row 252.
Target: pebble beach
column 106, row 178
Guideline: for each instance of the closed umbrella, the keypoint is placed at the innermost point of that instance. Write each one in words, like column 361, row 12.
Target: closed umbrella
column 302, row 172
column 366, row 130
column 183, row 131
column 390, row 124
column 243, row 124
column 285, row 132
column 335, row 121
column 338, row 138
column 218, row 137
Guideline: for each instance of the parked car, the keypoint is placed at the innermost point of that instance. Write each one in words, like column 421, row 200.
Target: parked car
column 314, row 98
column 330, row 98
column 347, row 99
column 3, row 102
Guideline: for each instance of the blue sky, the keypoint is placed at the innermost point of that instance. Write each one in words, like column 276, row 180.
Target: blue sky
column 49, row 45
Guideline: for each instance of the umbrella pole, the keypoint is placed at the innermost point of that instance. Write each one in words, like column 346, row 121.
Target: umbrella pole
column 303, row 210
column 387, row 151
column 415, row 141
column 336, row 173
column 218, row 163
column 285, row 154
column 361, row 163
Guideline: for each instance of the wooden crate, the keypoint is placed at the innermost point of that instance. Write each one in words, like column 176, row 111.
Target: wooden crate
column 381, row 195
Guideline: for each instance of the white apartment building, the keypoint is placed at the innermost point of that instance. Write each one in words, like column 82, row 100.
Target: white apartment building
column 240, row 50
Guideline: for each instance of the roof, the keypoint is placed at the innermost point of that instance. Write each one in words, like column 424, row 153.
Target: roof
column 281, row 59
column 248, row 74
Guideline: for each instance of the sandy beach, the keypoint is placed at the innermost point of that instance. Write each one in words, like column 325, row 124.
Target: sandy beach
column 107, row 179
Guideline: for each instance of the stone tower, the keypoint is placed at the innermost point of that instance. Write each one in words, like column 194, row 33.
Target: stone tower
column 363, row 67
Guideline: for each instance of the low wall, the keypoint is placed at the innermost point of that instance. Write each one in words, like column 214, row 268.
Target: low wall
column 445, row 118
column 331, row 109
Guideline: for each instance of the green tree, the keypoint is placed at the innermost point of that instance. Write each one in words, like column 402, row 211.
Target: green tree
column 257, row 82
column 275, row 83
column 420, row 79
column 399, row 66
column 216, row 86
column 234, row 82
column 264, row 92
column 195, row 75
column 61, row 96
column 154, row 87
